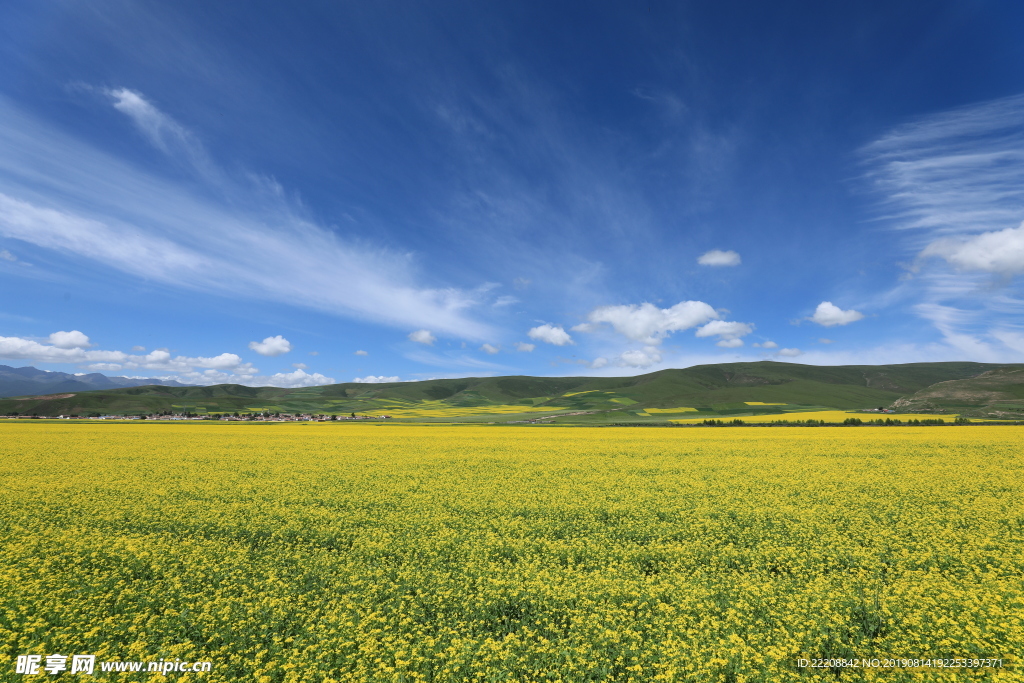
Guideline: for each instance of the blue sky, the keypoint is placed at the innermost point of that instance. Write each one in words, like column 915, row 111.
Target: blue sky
column 265, row 193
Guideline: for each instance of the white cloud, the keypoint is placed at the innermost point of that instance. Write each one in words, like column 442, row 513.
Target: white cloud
column 733, row 343
column 162, row 131
column 598, row 363
column 70, row 340
column 954, row 183
column 550, row 334
column 17, row 348
column 101, row 367
column 423, row 337
column 487, row 348
column 371, row 379
column 1011, row 339
column 362, row 353
column 505, row 301
column 138, row 349
column 649, row 324
column 823, row 340
column 523, row 346
column 271, row 346
column 300, row 366
column 1000, row 252
column 766, row 345
column 828, row 314
column 161, row 359
column 790, row 353
column 292, row 380
column 7, row 256
column 955, row 172
column 223, row 241
column 640, row 358
column 286, row 380
column 951, row 321
column 727, row 331
column 717, row 257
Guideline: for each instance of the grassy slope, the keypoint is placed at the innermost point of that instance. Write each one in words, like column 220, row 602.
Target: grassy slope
column 998, row 393
column 713, row 389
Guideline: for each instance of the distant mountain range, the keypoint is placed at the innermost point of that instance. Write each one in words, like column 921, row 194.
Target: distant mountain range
column 25, row 381
column 721, row 390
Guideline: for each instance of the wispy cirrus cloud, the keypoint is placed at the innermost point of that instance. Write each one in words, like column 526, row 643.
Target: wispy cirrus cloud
column 163, row 132
column 953, row 182
column 62, row 195
column 956, row 172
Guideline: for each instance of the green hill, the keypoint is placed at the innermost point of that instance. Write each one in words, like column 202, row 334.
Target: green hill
column 715, row 390
column 997, row 393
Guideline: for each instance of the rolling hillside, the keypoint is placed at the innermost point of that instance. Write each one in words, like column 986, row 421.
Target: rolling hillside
column 997, row 393
column 729, row 389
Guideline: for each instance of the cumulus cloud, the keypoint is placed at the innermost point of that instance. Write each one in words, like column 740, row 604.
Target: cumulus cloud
column 729, row 333
column 17, row 348
column 765, row 345
column 828, row 314
column 717, row 257
column 292, row 380
column 790, row 353
column 300, row 366
column 161, row 359
column 271, row 346
column 487, row 348
column 423, row 337
column 649, row 324
column 373, row 379
column 598, row 363
column 138, row 349
column 1000, row 252
column 360, row 352
column 523, row 346
column 640, row 358
column 70, row 340
column 550, row 334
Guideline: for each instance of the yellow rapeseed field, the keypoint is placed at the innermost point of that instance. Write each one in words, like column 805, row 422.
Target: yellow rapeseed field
column 836, row 416
column 289, row 553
